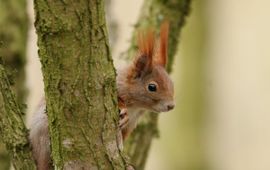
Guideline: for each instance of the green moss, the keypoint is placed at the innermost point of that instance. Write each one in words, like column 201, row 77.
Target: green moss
column 79, row 82
column 12, row 129
column 13, row 35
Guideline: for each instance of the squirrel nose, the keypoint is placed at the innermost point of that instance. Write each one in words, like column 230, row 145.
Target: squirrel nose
column 170, row 107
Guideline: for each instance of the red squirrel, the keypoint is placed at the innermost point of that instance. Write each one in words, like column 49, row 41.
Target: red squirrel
column 143, row 85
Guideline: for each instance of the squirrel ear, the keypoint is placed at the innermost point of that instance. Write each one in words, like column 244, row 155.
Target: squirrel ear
column 163, row 48
column 144, row 61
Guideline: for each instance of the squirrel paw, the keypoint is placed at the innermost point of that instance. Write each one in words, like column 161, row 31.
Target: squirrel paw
column 123, row 118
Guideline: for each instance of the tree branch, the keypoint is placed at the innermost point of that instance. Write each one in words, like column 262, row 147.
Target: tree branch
column 13, row 35
column 152, row 14
column 12, row 129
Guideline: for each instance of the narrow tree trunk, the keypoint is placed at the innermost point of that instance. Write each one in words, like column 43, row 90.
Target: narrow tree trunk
column 80, row 84
column 12, row 129
column 152, row 14
column 13, row 34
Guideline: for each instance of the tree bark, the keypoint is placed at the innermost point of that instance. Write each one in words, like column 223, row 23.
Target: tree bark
column 152, row 14
column 13, row 35
column 80, row 87
column 12, row 129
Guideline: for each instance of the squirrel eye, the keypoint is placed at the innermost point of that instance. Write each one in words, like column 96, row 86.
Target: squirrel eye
column 152, row 87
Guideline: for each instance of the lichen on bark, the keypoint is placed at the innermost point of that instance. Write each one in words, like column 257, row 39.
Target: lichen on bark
column 12, row 129
column 80, row 88
column 13, row 35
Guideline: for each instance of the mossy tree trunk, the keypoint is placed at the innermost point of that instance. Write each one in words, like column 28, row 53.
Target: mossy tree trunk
column 152, row 14
column 13, row 35
column 80, row 87
column 12, row 129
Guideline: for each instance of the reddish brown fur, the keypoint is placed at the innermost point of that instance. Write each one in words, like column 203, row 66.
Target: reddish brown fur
column 146, row 43
column 149, row 52
column 149, row 66
column 144, row 60
column 163, row 48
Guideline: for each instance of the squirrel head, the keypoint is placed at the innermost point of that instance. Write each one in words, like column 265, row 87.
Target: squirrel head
column 149, row 85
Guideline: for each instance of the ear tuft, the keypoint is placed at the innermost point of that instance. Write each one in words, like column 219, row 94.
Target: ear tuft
column 144, row 61
column 163, row 49
column 141, row 65
column 146, row 42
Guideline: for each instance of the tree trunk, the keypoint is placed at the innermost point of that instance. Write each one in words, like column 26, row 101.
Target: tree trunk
column 152, row 14
column 13, row 35
column 80, row 87
column 12, row 129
